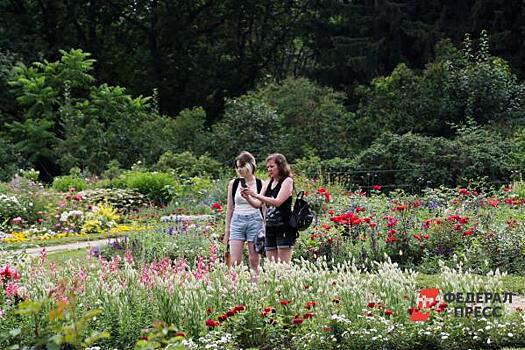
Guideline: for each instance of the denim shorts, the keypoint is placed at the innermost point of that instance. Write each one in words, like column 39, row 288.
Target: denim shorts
column 245, row 227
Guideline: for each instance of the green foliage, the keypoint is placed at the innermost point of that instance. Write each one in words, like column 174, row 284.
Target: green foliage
column 155, row 186
column 65, row 183
column 456, row 86
column 248, row 124
column 10, row 159
column 98, row 129
column 186, row 131
column 312, row 118
column 186, row 164
column 475, row 152
column 328, row 169
column 170, row 243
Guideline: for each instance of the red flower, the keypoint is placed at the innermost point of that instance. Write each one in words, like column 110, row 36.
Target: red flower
column 239, row 308
column 308, row 315
column 209, row 310
column 231, row 312
column 464, row 192
column 180, row 334
column 371, row 304
column 400, row 207
column 442, row 307
column 284, row 302
column 331, row 212
column 223, row 317
column 310, row 304
column 492, row 203
column 211, row 323
column 388, row 312
column 77, row 197
column 416, row 203
column 376, row 187
column 418, row 237
column 297, row 320
column 267, row 310
column 217, row 207
column 329, row 240
column 468, row 232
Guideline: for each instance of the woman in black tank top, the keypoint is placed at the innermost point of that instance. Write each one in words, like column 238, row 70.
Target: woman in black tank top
column 278, row 199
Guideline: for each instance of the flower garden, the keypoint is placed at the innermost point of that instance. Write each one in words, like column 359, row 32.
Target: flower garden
column 356, row 280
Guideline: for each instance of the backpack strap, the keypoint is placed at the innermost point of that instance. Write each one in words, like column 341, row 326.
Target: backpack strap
column 234, row 188
column 236, row 185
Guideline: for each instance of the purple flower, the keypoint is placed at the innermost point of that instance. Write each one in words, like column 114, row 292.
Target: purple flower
column 95, row 251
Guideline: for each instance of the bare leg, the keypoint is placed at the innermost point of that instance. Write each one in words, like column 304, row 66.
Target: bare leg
column 284, row 255
column 236, row 252
column 253, row 258
column 272, row 255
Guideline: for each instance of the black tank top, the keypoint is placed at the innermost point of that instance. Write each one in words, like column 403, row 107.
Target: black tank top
column 286, row 207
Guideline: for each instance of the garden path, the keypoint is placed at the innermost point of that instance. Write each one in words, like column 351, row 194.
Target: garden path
column 63, row 247
column 177, row 219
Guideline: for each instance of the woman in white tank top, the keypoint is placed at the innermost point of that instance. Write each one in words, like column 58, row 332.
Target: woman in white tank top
column 243, row 215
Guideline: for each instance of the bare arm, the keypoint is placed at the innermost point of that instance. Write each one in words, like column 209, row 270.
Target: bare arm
column 284, row 194
column 229, row 212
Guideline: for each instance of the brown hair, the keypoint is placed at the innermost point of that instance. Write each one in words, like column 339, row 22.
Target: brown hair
column 244, row 158
column 282, row 164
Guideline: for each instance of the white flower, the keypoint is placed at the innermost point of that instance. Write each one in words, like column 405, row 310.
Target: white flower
column 510, row 335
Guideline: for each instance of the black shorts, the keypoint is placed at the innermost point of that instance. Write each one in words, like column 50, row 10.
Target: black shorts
column 279, row 237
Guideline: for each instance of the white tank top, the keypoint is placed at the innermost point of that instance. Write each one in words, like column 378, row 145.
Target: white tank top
column 241, row 205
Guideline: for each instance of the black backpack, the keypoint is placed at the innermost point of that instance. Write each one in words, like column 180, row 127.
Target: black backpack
column 302, row 215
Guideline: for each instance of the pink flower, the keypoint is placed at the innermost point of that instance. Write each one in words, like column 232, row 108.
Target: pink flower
column 9, row 273
column 376, row 187
column 16, row 221
column 11, row 289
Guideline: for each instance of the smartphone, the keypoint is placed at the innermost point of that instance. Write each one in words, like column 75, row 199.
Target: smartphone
column 243, row 182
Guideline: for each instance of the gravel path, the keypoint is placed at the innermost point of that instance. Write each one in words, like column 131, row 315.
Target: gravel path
column 63, row 247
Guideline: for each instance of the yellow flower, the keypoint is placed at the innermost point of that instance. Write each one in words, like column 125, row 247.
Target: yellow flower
column 107, row 212
column 91, row 227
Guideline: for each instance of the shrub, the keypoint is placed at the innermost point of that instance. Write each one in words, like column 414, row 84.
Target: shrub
column 153, row 185
column 10, row 207
column 186, row 164
column 64, row 183
column 122, row 199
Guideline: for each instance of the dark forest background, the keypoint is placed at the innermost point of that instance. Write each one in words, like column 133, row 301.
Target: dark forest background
column 337, row 86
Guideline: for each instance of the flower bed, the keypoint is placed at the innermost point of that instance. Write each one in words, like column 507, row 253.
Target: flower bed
column 307, row 305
